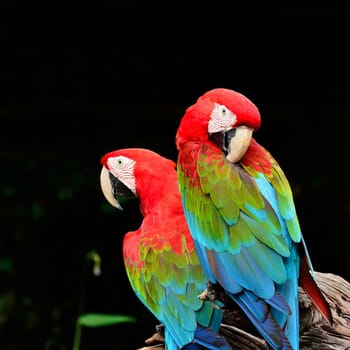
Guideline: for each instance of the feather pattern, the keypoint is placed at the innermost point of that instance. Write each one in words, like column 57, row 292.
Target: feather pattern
column 160, row 258
column 241, row 214
column 247, row 245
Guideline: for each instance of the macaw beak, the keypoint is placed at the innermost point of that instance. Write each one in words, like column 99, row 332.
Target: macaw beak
column 234, row 142
column 113, row 189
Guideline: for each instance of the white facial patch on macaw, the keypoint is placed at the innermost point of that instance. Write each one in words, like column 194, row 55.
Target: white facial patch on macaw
column 221, row 119
column 123, row 169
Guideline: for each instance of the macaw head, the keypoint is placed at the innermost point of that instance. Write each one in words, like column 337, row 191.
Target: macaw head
column 224, row 117
column 127, row 173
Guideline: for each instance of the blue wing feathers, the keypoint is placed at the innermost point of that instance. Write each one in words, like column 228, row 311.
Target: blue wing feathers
column 251, row 251
column 247, row 273
column 223, row 269
column 279, row 303
column 196, row 303
column 205, row 338
column 256, row 310
column 271, row 263
column 215, row 321
column 180, row 312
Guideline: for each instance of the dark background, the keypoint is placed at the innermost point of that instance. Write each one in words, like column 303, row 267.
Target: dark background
column 77, row 84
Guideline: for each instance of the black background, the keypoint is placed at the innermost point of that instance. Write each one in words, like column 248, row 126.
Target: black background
column 77, row 83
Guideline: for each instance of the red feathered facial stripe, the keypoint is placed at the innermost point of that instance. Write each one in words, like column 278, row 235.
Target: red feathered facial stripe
column 257, row 158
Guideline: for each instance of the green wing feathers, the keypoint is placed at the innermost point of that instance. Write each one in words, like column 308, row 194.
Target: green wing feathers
column 166, row 282
column 234, row 206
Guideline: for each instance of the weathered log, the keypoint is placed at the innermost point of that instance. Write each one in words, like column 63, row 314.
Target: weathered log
column 315, row 331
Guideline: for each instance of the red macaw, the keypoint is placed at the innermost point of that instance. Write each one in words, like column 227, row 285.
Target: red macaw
column 160, row 259
column 240, row 210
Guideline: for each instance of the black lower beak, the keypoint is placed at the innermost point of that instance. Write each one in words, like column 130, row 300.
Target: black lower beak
column 222, row 139
column 120, row 191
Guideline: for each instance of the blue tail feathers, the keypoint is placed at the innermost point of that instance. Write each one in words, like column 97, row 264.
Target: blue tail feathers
column 207, row 339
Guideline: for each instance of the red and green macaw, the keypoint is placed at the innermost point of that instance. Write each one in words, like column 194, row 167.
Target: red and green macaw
column 160, row 258
column 240, row 210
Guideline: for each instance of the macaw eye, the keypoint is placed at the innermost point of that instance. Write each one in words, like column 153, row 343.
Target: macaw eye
column 221, row 119
column 120, row 163
column 122, row 168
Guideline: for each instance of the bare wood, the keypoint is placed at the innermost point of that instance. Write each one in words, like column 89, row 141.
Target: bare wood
column 315, row 331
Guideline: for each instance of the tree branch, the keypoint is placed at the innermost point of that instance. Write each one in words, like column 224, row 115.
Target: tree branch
column 315, row 331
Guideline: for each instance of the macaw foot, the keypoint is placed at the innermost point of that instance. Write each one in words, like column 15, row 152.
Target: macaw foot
column 156, row 341
column 209, row 294
column 160, row 329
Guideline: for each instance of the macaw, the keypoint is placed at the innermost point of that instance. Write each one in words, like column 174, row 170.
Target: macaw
column 240, row 210
column 160, row 259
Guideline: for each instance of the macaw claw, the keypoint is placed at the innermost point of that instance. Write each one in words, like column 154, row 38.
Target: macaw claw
column 156, row 341
column 208, row 293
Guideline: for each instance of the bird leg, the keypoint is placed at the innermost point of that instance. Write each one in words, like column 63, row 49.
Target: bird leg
column 208, row 293
column 160, row 330
column 156, row 341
